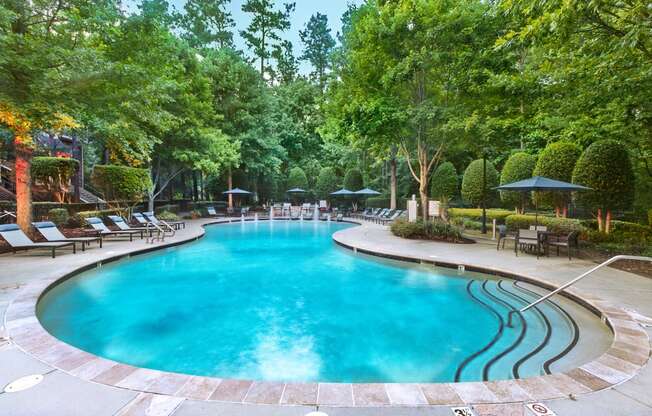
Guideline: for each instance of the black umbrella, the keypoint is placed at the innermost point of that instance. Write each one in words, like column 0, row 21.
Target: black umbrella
column 539, row 183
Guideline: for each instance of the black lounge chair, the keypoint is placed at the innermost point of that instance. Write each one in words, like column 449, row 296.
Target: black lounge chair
column 51, row 233
column 17, row 239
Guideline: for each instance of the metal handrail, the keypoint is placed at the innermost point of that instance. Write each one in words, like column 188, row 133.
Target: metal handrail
column 572, row 282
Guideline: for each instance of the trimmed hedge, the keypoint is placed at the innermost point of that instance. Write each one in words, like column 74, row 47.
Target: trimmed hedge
column 353, row 180
column 59, row 216
column 428, row 230
column 297, row 179
column 59, row 169
column 327, row 182
column 444, row 182
column 557, row 161
column 472, row 183
column 167, row 216
column 519, row 166
column 476, row 214
column 121, row 183
column 556, row 225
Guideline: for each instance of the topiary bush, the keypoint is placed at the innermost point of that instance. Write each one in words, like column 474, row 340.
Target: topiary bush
column 121, row 183
column 327, row 182
column 557, row 161
column 297, row 179
column 59, row 216
column 556, row 225
column 519, row 166
column 606, row 168
column 444, row 183
column 436, row 230
column 55, row 173
column 472, row 183
column 353, row 180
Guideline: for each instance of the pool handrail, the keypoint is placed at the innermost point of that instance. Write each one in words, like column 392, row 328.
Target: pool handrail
column 572, row 282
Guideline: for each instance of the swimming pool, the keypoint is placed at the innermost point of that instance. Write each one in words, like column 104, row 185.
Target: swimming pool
column 281, row 301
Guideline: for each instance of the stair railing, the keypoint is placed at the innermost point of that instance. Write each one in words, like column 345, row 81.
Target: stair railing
column 572, row 282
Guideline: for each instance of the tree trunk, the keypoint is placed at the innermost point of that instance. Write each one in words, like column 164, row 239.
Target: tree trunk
column 423, row 193
column 393, row 181
column 607, row 222
column 229, row 182
column 23, row 188
column 564, row 211
column 195, row 193
column 600, row 224
column 557, row 212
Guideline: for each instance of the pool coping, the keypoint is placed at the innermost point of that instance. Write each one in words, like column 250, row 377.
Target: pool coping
column 628, row 353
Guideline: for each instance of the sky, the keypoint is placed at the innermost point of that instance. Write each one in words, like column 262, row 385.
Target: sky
column 304, row 9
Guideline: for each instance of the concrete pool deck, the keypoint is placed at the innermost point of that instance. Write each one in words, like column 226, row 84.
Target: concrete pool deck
column 116, row 389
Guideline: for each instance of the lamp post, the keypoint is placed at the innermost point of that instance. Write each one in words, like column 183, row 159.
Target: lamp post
column 484, row 192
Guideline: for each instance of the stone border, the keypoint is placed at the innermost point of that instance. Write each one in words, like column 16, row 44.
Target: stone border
column 628, row 353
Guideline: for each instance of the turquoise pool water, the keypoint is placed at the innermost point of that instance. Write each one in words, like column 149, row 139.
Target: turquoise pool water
column 281, row 301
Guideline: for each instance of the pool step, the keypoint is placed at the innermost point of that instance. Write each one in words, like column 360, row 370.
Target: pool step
column 540, row 336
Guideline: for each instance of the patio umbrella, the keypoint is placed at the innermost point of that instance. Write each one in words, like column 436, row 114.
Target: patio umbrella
column 367, row 192
column 296, row 191
column 237, row 192
column 540, row 183
column 343, row 192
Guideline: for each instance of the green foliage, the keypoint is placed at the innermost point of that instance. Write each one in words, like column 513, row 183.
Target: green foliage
column 427, row 230
column 472, row 191
column 319, row 44
column 353, row 180
column 606, row 168
column 59, row 216
column 207, row 23
column 557, row 161
column 519, row 166
column 121, row 183
column 625, row 238
column 80, row 217
column 167, row 216
column 556, row 225
column 60, row 169
column 297, row 179
column 327, row 182
column 384, row 202
column 444, row 182
column 476, row 214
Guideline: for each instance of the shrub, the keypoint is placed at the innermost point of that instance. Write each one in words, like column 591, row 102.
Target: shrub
column 606, row 168
column 428, row 230
column 121, row 183
column 444, row 182
column 472, row 182
column 327, row 182
column 353, row 180
column 557, row 161
column 55, row 173
column 59, row 216
column 476, row 214
column 297, row 179
column 518, row 167
column 556, row 225
column 649, row 217
column 167, row 216
column 80, row 217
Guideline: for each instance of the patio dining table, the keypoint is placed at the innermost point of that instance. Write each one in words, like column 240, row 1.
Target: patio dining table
column 530, row 240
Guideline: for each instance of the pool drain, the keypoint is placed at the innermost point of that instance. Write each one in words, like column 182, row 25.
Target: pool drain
column 23, row 383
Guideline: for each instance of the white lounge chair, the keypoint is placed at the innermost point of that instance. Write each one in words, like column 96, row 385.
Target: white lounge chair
column 17, row 239
column 103, row 230
column 49, row 230
column 122, row 225
column 174, row 224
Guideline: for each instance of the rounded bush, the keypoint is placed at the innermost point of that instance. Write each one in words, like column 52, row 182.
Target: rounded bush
column 59, row 216
column 121, row 183
column 519, row 166
column 297, row 179
column 606, row 168
column 353, row 180
column 556, row 161
column 444, row 183
column 472, row 183
column 327, row 182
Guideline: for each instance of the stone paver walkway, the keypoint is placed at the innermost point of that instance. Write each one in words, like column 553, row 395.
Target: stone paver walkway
column 64, row 394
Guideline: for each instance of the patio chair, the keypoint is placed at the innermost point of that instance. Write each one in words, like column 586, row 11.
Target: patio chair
column 103, row 230
column 367, row 211
column 503, row 236
column 373, row 213
column 385, row 216
column 122, row 225
column 50, row 232
column 569, row 241
column 392, row 218
column 174, row 224
column 378, row 215
column 211, row 211
column 17, row 240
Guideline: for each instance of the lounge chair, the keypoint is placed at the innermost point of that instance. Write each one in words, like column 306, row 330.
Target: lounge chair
column 51, row 233
column 17, row 239
column 391, row 219
column 377, row 215
column 387, row 215
column 174, row 224
column 103, row 230
column 372, row 214
column 123, row 226
column 364, row 213
column 211, row 211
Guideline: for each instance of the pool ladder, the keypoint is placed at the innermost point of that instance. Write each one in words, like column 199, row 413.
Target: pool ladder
column 572, row 282
column 161, row 233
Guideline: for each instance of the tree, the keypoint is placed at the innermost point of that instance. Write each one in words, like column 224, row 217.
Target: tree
column 297, row 179
column 287, row 66
column 557, row 161
column 353, row 180
column 318, row 46
column 262, row 34
column 606, row 168
column 327, row 183
column 445, row 184
column 55, row 173
column 519, row 166
column 207, row 23
column 472, row 190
